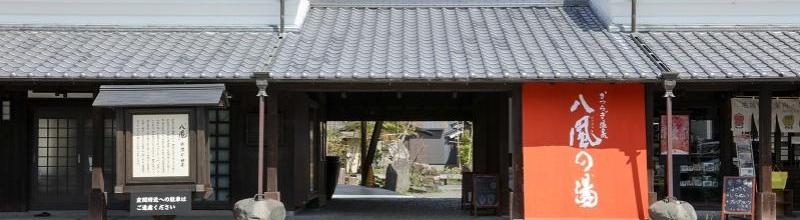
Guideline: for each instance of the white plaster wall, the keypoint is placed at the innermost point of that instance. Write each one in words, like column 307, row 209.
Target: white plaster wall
column 703, row 12
column 151, row 12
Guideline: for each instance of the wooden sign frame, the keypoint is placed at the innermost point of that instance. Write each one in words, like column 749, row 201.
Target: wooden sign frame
column 198, row 153
column 752, row 212
column 475, row 205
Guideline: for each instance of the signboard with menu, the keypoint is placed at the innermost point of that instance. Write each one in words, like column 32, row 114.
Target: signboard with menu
column 738, row 196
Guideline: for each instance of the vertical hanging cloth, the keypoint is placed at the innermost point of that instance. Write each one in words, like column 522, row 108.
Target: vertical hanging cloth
column 787, row 112
column 744, row 111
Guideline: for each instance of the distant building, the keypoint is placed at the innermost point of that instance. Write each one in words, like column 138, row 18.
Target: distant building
column 436, row 143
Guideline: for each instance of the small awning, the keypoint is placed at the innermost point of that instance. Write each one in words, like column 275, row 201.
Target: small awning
column 160, row 95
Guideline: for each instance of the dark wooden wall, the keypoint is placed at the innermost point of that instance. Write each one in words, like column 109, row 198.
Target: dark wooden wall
column 491, row 140
column 296, row 125
column 14, row 155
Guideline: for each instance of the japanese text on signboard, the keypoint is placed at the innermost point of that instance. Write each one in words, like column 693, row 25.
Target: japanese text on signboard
column 585, row 194
column 160, row 145
column 160, row 203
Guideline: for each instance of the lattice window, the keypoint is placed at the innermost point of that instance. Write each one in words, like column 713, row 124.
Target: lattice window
column 219, row 144
column 57, row 159
column 110, row 151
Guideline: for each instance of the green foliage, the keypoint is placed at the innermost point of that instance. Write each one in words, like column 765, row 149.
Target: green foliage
column 465, row 146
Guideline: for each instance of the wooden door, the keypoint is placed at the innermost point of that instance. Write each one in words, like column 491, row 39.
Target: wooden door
column 60, row 166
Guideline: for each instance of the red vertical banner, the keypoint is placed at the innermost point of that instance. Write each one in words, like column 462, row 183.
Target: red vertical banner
column 584, row 152
column 680, row 135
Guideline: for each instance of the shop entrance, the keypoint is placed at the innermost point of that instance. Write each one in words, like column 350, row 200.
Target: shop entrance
column 489, row 111
column 60, row 162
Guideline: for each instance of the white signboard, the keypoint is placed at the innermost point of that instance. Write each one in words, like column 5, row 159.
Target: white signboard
column 160, row 145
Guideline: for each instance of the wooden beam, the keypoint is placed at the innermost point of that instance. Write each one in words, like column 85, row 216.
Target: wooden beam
column 393, row 87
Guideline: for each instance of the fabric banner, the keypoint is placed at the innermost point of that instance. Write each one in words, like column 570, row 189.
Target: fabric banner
column 680, row 135
column 787, row 111
column 743, row 112
column 584, row 151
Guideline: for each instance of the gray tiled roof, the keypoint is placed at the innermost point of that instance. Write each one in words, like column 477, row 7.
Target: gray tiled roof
column 77, row 53
column 733, row 54
column 456, row 43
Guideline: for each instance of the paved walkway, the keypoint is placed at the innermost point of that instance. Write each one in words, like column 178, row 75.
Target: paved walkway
column 356, row 202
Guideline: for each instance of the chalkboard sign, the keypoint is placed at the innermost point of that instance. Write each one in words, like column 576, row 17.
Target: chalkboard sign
column 485, row 190
column 738, row 195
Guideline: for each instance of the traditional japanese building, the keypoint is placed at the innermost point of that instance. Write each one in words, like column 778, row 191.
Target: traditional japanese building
column 565, row 99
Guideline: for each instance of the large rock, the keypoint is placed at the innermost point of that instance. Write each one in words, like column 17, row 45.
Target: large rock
column 430, row 183
column 672, row 210
column 424, row 169
column 398, row 176
column 251, row 209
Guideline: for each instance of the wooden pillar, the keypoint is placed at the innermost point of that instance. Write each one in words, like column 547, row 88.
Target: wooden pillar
column 766, row 198
column 518, row 202
column 363, row 142
column 649, row 132
column 272, row 124
column 727, row 148
column 97, row 198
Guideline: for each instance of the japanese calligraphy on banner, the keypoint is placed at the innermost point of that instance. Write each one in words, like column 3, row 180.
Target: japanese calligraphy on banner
column 160, row 145
column 584, row 152
column 743, row 110
column 680, row 134
column 787, row 111
column 744, row 114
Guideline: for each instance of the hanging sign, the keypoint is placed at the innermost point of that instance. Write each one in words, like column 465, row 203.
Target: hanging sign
column 680, row 135
column 160, row 145
column 787, row 111
column 584, row 153
column 743, row 110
